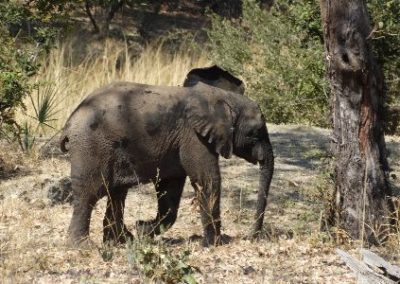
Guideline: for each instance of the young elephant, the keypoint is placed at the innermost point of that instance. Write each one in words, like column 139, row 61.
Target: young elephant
column 126, row 133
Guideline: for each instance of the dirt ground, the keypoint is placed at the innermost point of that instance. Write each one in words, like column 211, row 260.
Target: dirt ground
column 32, row 233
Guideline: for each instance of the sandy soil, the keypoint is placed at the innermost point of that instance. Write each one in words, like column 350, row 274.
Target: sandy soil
column 32, row 233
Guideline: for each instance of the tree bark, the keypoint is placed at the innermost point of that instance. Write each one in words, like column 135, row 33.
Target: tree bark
column 227, row 8
column 112, row 9
column 90, row 15
column 109, row 11
column 362, row 204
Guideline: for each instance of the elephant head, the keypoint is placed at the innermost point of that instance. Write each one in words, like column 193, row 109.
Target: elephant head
column 251, row 142
column 242, row 129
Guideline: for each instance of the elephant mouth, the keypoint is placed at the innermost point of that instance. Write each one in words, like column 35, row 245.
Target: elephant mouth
column 247, row 156
column 254, row 155
column 258, row 152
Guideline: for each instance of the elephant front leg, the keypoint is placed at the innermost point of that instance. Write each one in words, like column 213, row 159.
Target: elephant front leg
column 114, row 228
column 78, row 232
column 169, row 193
column 208, row 196
column 201, row 165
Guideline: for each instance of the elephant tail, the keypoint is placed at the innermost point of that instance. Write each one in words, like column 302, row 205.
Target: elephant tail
column 63, row 141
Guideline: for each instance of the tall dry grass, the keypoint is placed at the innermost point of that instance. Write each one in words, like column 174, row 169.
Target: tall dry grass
column 72, row 82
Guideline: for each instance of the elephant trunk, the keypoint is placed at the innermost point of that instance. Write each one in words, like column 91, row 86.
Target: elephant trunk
column 266, row 172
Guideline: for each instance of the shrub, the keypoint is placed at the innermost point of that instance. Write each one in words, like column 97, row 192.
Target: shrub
column 24, row 36
column 279, row 55
column 15, row 68
column 156, row 262
column 385, row 39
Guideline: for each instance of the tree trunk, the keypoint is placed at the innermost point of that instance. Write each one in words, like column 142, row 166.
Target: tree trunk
column 88, row 6
column 227, row 8
column 362, row 205
column 110, row 13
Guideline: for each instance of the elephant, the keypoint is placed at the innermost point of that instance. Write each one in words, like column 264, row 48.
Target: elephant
column 214, row 76
column 128, row 133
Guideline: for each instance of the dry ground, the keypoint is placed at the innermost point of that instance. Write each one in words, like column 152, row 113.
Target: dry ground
column 32, row 233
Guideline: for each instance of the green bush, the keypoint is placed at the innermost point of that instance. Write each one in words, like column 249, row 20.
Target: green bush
column 156, row 262
column 15, row 69
column 279, row 54
column 26, row 33
column 385, row 40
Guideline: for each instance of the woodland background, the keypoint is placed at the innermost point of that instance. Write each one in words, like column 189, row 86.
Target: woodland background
column 53, row 53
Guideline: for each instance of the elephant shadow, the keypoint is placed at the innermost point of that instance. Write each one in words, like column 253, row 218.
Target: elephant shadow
column 225, row 239
column 300, row 146
column 296, row 149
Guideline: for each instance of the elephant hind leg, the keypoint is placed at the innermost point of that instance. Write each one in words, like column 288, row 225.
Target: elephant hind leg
column 169, row 192
column 114, row 228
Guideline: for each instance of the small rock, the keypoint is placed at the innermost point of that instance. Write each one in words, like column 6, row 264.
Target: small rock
column 248, row 270
column 107, row 274
column 38, row 203
column 7, row 169
column 60, row 192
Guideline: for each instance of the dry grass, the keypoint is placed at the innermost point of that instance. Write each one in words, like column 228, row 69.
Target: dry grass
column 32, row 233
column 71, row 83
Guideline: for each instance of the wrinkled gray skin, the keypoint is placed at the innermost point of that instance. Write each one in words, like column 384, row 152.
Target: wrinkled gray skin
column 214, row 76
column 126, row 133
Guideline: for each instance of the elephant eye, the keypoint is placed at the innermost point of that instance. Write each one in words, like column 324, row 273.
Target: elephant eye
column 256, row 134
column 253, row 133
column 252, row 136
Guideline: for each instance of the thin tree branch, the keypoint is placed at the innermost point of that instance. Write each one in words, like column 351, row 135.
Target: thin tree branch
column 111, row 13
column 90, row 15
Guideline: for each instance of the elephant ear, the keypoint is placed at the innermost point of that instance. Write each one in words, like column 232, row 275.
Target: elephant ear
column 214, row 76
column 212, row 119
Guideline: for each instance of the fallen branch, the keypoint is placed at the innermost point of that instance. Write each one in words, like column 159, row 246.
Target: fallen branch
column 373, row 269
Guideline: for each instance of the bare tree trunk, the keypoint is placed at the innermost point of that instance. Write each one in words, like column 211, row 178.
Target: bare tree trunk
column 266, row 4
column 362, row 204
column 227, row 8
column 109, row 15
column 90, row 15
column 114, row 7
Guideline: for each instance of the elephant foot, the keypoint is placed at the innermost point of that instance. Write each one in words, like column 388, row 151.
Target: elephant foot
column 80, row 242
column 255, row 235
column 211, row 241
column 110, row 237
column 216, row 240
